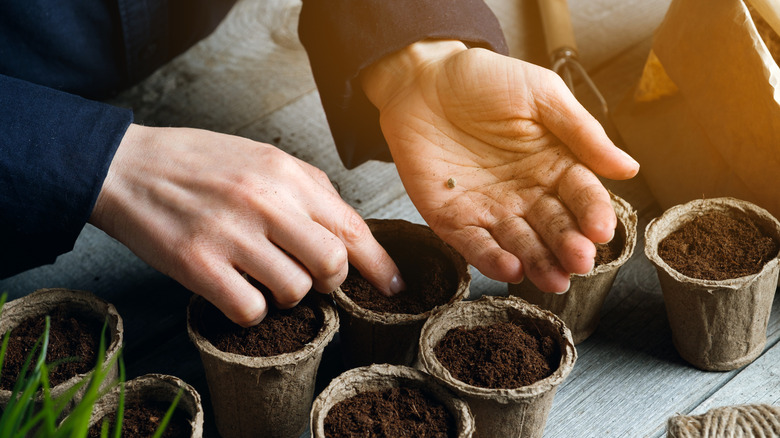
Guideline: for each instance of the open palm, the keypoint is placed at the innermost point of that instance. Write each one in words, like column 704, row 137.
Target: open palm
column 499, row 158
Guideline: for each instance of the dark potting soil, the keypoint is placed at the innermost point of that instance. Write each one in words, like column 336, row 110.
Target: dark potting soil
column 282, row 331
column 74, row 339
column 428, row 284
column 716, row 246
column 141, row 420
column 498, row 355
column 391, row 413
column 610, row 251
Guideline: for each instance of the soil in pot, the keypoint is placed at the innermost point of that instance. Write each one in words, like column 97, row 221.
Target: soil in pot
column 610, row 251
column 142, row 419
column 73, row 339
column 429, row 283
column 499, row 355
column 716, row 246
column 282, row 331
column 392, row 412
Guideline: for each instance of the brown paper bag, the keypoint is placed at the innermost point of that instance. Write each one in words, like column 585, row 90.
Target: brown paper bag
column 704, row 119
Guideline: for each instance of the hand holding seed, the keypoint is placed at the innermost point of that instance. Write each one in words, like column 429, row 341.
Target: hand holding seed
column 523, row 151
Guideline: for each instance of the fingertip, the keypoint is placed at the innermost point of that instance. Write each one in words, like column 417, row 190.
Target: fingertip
column 599, row 225
column 557, row 284
column 249, row 314
column 550, row 278
column 621, row 166
column 397, row 284
column 563, row 292
column 501, row 266
column 579, row 258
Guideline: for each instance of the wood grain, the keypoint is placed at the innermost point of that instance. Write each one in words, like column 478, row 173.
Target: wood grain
column 251, row 78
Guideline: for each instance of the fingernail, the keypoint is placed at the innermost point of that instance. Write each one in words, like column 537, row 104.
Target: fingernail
column 568, row 286
column 518, row 281
column 610, row 237
column 629, row 157
column 397, row 284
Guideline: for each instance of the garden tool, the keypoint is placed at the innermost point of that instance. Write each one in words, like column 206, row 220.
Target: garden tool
column 562, row 48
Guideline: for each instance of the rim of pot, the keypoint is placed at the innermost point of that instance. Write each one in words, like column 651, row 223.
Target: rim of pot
column 418, row 233
column 330, row 326
column 385, row 376
column 498, row 308
column 154, row 387
column 678, row 215
column 627, row 225
column 50, row 298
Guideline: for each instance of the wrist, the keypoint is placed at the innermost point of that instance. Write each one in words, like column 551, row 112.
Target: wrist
column 384, row 78
column 114, row 183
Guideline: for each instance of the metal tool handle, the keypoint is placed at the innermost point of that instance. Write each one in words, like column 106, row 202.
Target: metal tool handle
column 769, row 11
column 558, row 31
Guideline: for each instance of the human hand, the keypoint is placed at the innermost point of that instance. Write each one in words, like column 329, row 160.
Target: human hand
column 520, row 149
column 204, row 207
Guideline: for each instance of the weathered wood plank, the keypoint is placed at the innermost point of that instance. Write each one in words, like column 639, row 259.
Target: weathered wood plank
column 629, row 379
column 757, row 383
column 252, row 65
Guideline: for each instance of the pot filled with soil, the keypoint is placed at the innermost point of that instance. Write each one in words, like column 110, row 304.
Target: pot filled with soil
column 504, row 357
column 391, row 401
column 261, row 378
column 380, row 329
column 77, row 319
column 717, row 261
column 146, row 400
column 580, row 307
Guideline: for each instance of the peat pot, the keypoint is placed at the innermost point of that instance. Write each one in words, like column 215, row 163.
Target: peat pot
column 82, row 305
column 267, row 396
column 716, row 325
column 159, row 389
column 501, row 412
column 382, row 377
column 580, row 307
column 371, row 336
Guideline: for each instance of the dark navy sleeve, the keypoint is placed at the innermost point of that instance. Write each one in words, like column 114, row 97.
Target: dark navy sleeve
column 55, row 149
column 342, row 37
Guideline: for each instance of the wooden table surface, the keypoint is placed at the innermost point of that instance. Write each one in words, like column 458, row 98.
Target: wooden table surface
column 251, row 78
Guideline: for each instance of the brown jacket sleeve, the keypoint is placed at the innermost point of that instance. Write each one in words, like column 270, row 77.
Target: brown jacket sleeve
column 342, row 37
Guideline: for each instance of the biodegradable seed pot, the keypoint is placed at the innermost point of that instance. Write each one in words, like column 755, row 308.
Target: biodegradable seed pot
column 435, row 275
column 77, row 321
column 717, row 324
column 267, row 396
column 501, row 411
column 148, row 396
column 580, row 307
column 376, row 382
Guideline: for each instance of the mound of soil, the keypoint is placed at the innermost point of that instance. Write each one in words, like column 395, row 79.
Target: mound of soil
column 499, row 355
column 716, row 246
column 395, row 412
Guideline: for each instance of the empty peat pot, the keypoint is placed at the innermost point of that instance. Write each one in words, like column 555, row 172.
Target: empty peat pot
column 268, row 396
column 426, row 262
column 379, row 379
column 717, row 324
column 580, row 307
column 154, row 391
column 518, row 411
column 75, row 309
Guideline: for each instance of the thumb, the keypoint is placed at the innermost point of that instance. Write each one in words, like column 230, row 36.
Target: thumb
column 568, row 120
